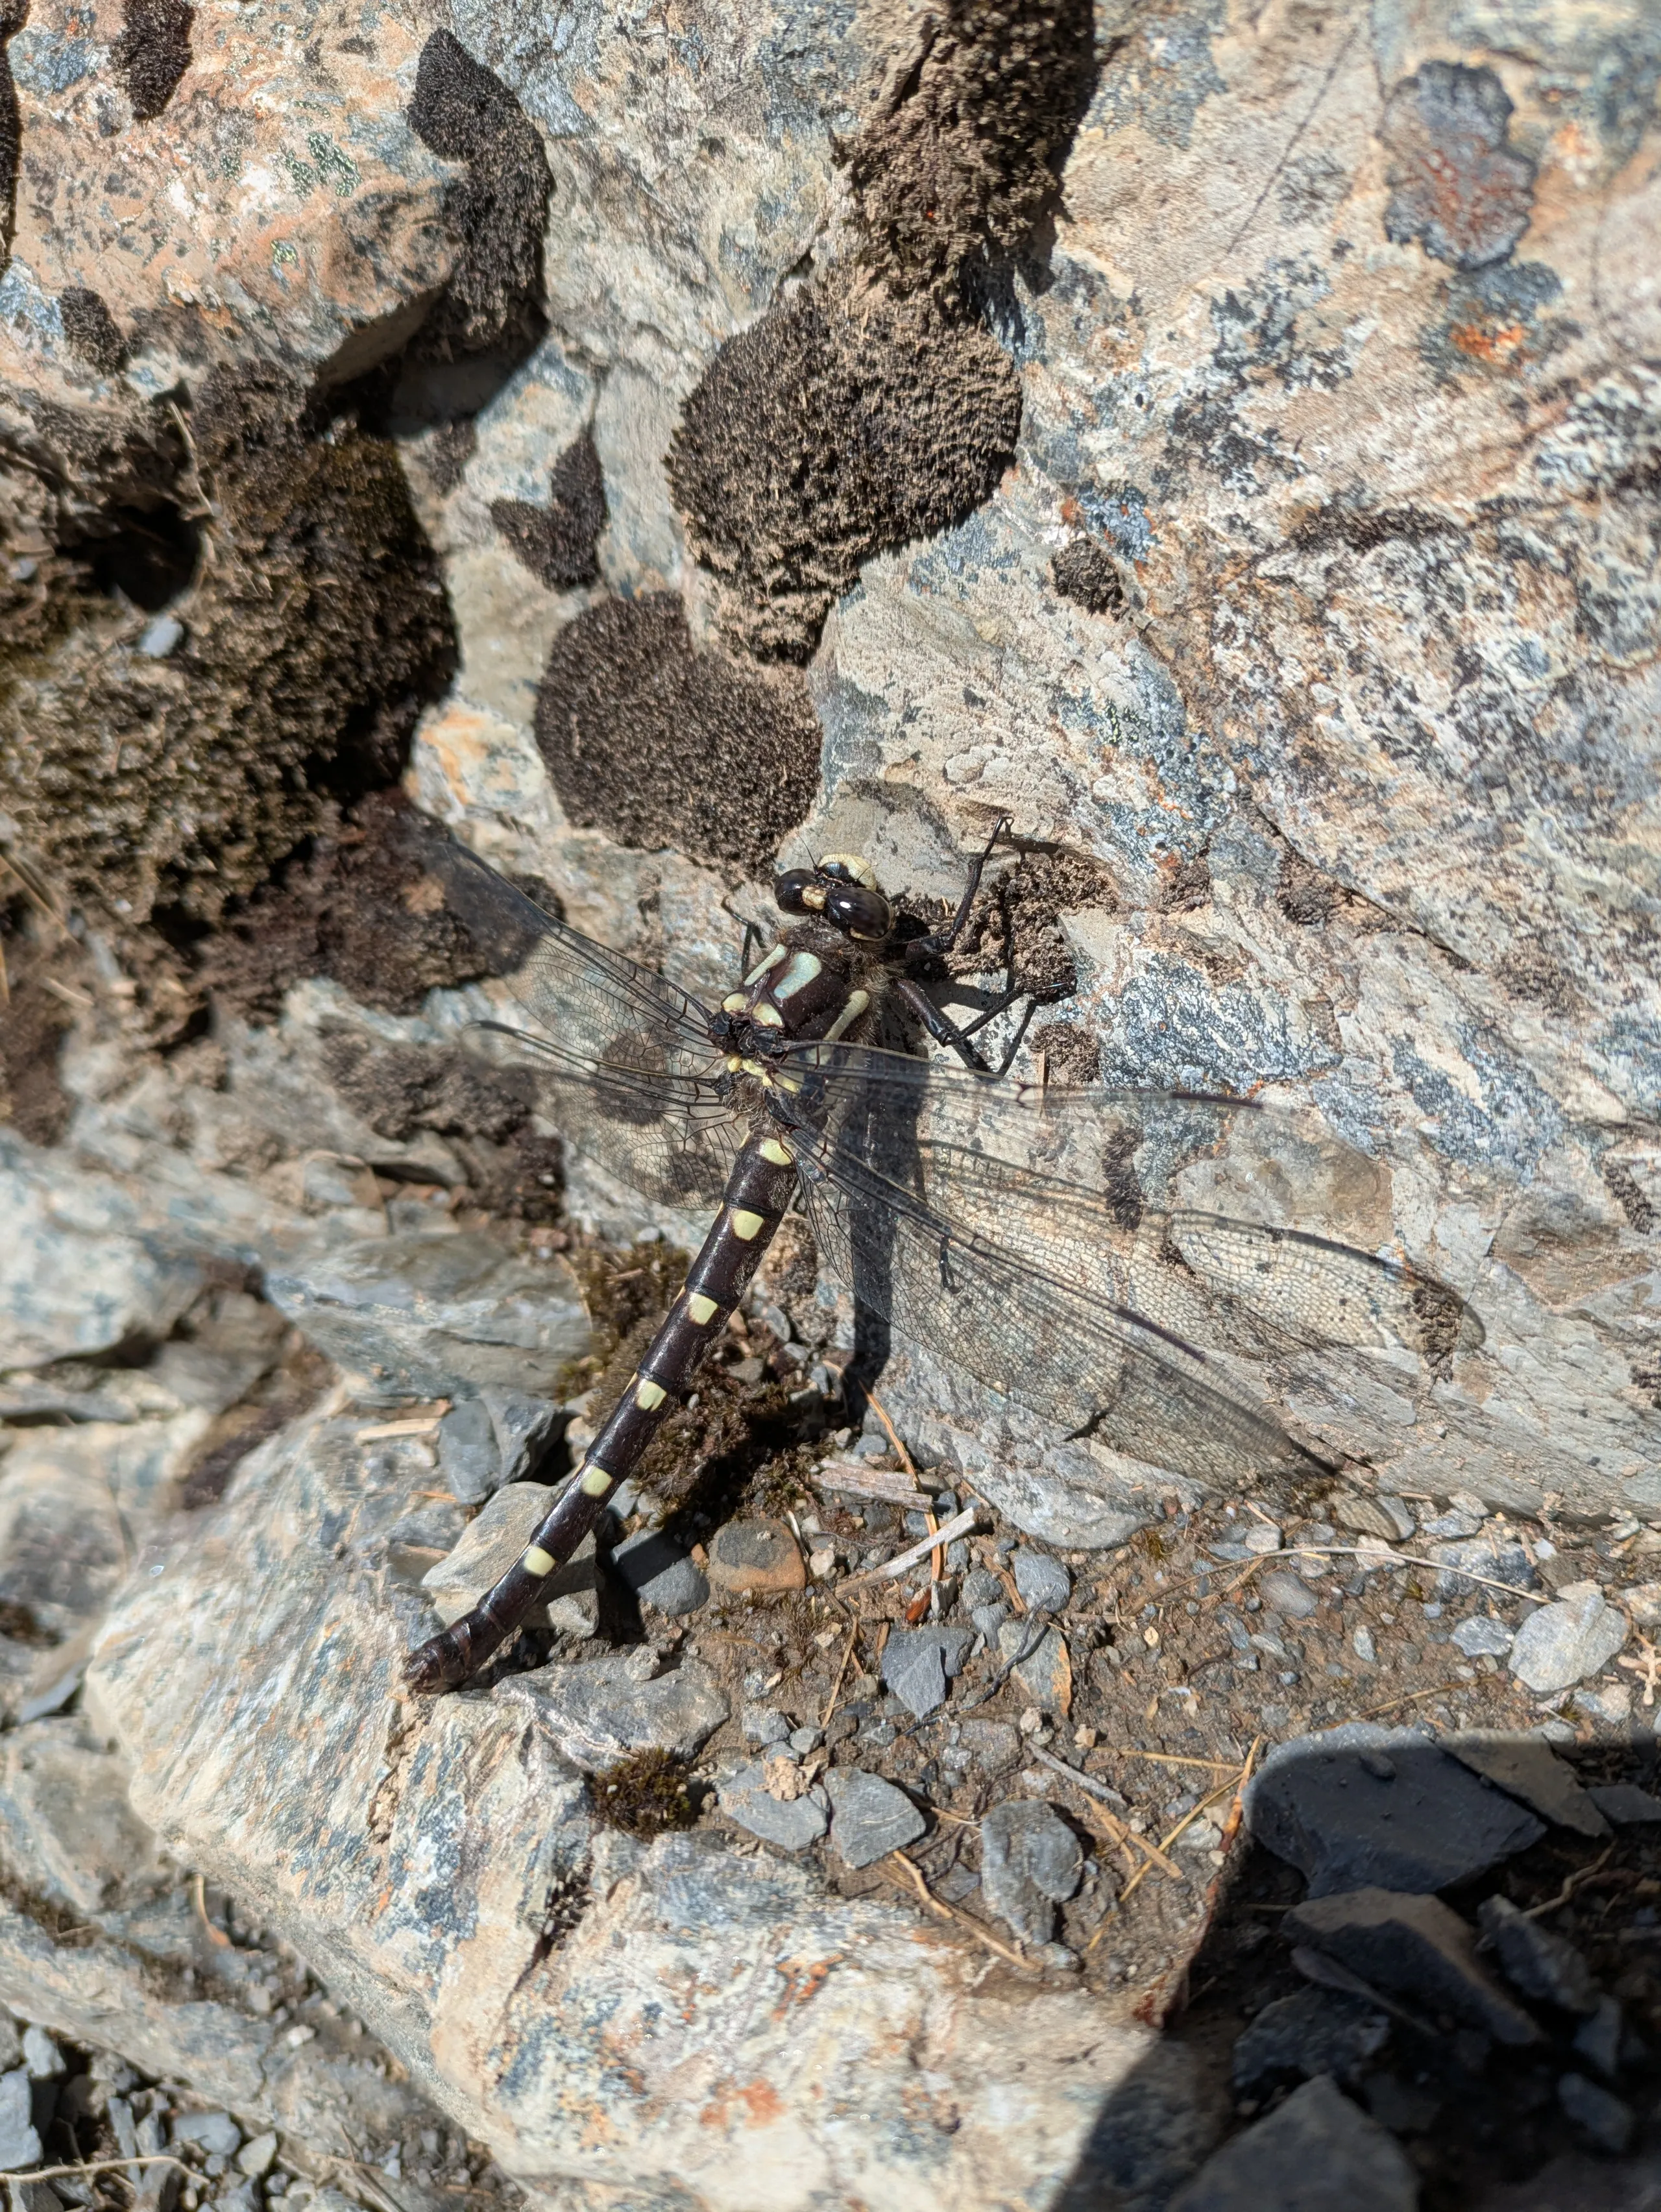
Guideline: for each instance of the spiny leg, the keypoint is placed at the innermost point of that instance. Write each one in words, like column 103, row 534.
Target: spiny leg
column 943, row 941
column 758, row 1193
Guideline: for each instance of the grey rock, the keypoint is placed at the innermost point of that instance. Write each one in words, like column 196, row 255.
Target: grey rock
column 1316, row 2153
column 1597, row 2040
column 993, row 1745
column 1288, row 1593
column 1601, row 2116
column 1479, row 1635
column 41, row 2055
column 918, row 1662
column 11, row 2043
column 1045, row 1673
column 1535, row 1960
column 600, row 1710
column 1413, row 1948
column 1625, row 1803
column 1366, row 1806
column 468, row 1455
column 68, row 1834
column 216, row 2133
column 522, row 1424
column 19, row 2144
column 1526, row 1767
column 764, row 1725
column 1452, row 1525
column 256, row 2159
column 804, row 1740
column 660, row 1573
column 869, row 1817
column 1497, row 1557
column 792, row 1825
column 981, row 1587
column 1043, row 1582
column 1313, row 2032
column 989, row 1618
column 436, row 1314
column 1030, row 1862
column 1564, row 1641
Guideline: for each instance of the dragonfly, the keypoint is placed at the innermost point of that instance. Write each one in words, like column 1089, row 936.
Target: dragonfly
column 1099, row 1256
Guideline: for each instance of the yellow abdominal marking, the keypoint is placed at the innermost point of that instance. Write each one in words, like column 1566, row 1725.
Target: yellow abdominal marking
column 747, row 1224
column 857, row 1003
column 702, row 1310
column 798, row 976
column 595, row 1481
column 767, row 1018
column 649, row 1396
column 761, row 967
column 537, row 1562
column 758, row 1068
column 780, row 1155
column 733, row 1003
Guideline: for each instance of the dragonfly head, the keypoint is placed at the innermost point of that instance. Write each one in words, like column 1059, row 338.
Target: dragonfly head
column 844, row 890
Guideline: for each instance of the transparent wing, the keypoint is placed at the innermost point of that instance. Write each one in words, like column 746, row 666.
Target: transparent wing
column 1071, row 1356
column 1177, row 1206
column 620, row 1059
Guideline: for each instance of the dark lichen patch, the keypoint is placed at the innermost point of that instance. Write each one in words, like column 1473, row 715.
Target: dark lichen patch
column 837, row 425
column 556, row 543
column 1086, row 574
column 963, row 154
column 658, row 744
column 316, row 631
column 34, row 954
column 356, row 904
column 649, row 1793
column 1494, row 323
column 152, row 52
column 1014, row 928
column 464, row 112
column 1184, row 883
column 91, row 331
column 1067, row 1052
column 13, row 13
column 1456, row 186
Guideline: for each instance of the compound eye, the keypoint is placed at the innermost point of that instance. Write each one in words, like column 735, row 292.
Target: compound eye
column 789, row 890
column 859, row 913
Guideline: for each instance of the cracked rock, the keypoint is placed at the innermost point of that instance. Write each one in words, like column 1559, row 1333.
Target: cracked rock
column 1413, row 1948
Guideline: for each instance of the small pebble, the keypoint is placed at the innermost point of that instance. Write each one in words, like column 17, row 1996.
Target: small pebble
column 1044, row 1584
column 255, row 2158
column 1363, row 1646
column 1604, row 2119
column 41, row 2055
column 1481, row 1636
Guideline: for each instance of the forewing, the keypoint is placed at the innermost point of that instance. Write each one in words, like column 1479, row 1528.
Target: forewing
column 621, row 1061
column 1089, row 1187
column 1021, row 1331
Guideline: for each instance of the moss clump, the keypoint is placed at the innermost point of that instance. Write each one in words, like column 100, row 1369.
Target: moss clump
column 648, row 1793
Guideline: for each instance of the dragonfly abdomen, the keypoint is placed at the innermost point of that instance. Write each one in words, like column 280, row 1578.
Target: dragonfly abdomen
column 758, row 1195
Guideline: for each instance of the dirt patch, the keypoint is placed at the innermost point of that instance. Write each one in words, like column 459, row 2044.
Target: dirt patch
column 659, row 744
column 963, row 156
column 837, row 425
column 152, row 53
column 556, row 543
column 1015, row 926
column 464, row 112
column 1086, row 574
column 356, row 904
column 164, row 769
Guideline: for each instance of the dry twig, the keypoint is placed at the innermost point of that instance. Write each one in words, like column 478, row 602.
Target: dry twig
column 942, row 1911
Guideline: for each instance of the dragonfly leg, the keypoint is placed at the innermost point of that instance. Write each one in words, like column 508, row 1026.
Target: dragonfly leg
column 942, row 940
column 747, row 948
column 939, row 1023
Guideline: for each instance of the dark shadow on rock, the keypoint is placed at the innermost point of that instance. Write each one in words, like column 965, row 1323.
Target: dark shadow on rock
column 556, row 543
column 1424, row 1985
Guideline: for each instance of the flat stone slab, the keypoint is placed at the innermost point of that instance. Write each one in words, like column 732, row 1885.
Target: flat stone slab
column 1528, row 1769
column 1316, row 2153
column 1414, row 1949
column 1563, row 1642
column 600, row 1710
column 869, row 1817
column 1625, row 1803
column 1363, row 1807
column 917, row 1663
column 411, row 1846
column 792, row 1823
column 421, row 1316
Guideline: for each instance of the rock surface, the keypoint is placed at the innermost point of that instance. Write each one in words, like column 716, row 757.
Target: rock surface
column 257, row 1655
column 1563, row 1642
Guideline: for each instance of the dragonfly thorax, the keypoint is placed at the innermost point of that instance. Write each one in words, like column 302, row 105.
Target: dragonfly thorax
column 804, row 988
